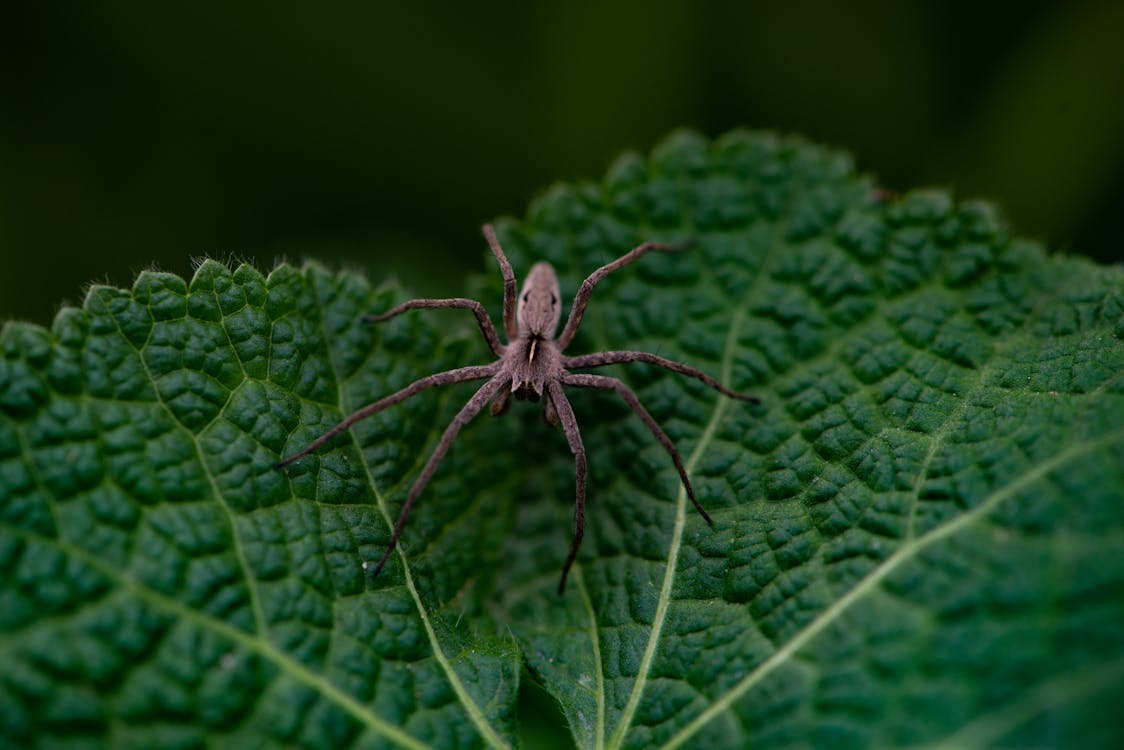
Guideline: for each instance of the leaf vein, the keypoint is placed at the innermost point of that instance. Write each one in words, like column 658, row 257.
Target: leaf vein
column 906, row 552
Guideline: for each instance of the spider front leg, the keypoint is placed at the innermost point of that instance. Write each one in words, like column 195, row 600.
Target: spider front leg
column 565, row 413
column 582, row 380
column 581, row 299
column 486, row 328
column 510, row 324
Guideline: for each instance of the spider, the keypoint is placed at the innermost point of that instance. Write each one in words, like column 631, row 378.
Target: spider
column 530, row 367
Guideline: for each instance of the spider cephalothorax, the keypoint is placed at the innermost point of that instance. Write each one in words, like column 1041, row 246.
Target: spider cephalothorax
column 531, row 367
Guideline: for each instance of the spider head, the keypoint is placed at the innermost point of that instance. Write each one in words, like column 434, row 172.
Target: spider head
column 540, row 307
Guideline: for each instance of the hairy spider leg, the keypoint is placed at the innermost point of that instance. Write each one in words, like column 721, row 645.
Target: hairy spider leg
column 565, row 413
column 581, row 299
column 487, row 329
column 510, row 291
column 584, row 380
column 464, row 416
column 459, row 375
column 600, row 359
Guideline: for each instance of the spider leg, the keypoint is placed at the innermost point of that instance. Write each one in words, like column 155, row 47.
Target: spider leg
column 459, row 375
column 601, row 359
column 510, row 324
column 582, row 380
column 570, row 426
column 486, row 328
column 464, row 416
column 581, row 299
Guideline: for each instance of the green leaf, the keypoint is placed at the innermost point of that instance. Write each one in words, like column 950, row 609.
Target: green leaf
column 918, row 537
column 164, row 585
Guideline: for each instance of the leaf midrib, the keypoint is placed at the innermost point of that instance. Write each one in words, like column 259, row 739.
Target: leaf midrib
column 475, row 714
column 664, row 602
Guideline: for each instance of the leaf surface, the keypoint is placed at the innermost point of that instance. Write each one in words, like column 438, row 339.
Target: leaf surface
column 917, row 536
column 165, row 585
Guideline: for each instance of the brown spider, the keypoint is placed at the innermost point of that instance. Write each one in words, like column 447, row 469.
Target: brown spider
column 530, row 367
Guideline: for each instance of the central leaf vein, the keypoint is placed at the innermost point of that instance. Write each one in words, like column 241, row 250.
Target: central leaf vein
column 475, row 713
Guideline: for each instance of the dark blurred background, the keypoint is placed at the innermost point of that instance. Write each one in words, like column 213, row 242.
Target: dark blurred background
column 139, row 135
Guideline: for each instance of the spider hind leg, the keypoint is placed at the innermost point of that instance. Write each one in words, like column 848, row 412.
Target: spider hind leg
column 570, row 426
column 463, row 417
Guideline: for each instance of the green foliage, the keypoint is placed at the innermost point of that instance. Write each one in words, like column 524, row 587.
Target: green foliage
column 918, row 536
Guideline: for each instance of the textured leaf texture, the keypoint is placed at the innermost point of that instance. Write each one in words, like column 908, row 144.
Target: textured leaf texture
column 918, row 536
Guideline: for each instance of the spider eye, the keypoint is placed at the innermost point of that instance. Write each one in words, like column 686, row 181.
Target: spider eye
column 553, row 300
column 526, row 296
